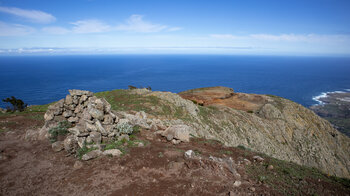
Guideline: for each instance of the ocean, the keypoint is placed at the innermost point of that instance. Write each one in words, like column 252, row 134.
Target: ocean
column 44, row 79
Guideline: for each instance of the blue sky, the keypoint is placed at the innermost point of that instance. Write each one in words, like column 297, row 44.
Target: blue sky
column 283, row 27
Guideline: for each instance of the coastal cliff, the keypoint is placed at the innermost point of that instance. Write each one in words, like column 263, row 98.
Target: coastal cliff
column 264, row 123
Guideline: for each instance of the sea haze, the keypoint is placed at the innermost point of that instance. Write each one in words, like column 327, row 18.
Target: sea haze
column 44, row 79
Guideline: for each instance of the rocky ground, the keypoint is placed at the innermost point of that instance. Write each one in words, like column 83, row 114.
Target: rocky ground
column 156, row 168
column 336, row 109
column 140, row 142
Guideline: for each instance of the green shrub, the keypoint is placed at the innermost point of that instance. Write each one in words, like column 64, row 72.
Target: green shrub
column 17, row 104
column 84, row 150
column 60, row 129
column 125, row 128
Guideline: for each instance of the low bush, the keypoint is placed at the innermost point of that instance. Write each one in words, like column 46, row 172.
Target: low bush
column 60, row 129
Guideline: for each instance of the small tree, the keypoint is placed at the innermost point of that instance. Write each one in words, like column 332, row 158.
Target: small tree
column 17, row 104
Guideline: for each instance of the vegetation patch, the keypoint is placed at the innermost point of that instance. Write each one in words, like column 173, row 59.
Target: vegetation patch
column 84, row 150
column 60, row 129
column 289, row 178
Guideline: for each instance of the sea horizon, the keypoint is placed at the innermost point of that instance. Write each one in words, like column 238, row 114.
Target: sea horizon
column 42, row 79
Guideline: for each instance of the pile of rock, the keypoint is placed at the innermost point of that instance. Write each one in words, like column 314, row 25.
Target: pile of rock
column 91, row 117
column 93, row 122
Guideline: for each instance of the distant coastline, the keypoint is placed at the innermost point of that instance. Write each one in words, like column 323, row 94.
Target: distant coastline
column 322, row 98
column 335, row 107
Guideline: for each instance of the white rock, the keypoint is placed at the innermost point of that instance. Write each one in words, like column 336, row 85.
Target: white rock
column 189, row 154
column 237, row 183
column 113, row 152
column 180, row 132
column 258, row 158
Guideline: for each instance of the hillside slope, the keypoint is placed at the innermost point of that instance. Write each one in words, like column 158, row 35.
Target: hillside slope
column 278, row 127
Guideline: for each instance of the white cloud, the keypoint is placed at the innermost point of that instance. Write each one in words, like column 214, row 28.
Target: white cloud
column 55, row 30
column 136, row 24
column 224, row 36
column 90, row 26
column 32, row 15
column 311, row 38
column 175, row 29
column 14, row 29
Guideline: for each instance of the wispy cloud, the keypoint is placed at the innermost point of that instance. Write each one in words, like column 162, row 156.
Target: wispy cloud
column 224, row 36
column 312, row 38
column 175, row 29
column 14, row 29
column 136, row 24
column 35, row 16
column 55, row 30
column 90, row 26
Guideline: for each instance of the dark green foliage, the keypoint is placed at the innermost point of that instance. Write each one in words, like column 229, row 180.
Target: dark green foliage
column 60, row 129
column 17, row 104
column 84, row 150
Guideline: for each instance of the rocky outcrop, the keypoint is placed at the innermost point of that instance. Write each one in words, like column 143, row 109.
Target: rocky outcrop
column 268, row 124
column 93, row 122
column 275, row 126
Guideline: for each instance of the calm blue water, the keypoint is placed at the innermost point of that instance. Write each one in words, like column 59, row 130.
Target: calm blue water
column 44, row 79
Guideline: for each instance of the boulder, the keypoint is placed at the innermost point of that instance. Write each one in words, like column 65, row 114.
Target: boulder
column 95, row 137
column 67, row 113
column 75, row 100
column 113, row 152
column 91, row 155
column 189, row 154
column 81, row 141
column 180, row 132
column 75, row 130
column 57, row 146
column 95, row 113
column 109, row 128
column 83, row 98
column 100, row 128
column 79, row 109
column 73, row 119
column 90, row 127
column 70, row 144
column 49, row 115
column 258, row 158
column 68, row 100
column 75, row 92
column 108, row 120
column 86, row 115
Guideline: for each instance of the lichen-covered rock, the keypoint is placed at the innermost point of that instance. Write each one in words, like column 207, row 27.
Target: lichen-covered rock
column 95, row 113
column 70, row 144
column 113, row 152
column 67, row 113
column 95, row 137
column 108, row 119
column 75, row 92
column 57, row 146
column 179, row 132
column 68, row 100
column 91, row 155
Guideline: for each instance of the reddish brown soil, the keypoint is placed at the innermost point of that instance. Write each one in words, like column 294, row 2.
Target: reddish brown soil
column 223, row 96
column 159, row 168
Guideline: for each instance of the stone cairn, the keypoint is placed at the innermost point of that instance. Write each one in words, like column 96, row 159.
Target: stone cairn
column 93, row 122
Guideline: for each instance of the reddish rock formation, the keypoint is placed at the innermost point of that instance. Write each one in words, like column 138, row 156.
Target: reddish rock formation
column 225, row 96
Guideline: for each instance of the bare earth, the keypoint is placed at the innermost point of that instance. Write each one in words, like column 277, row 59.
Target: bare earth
column 159, row 168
